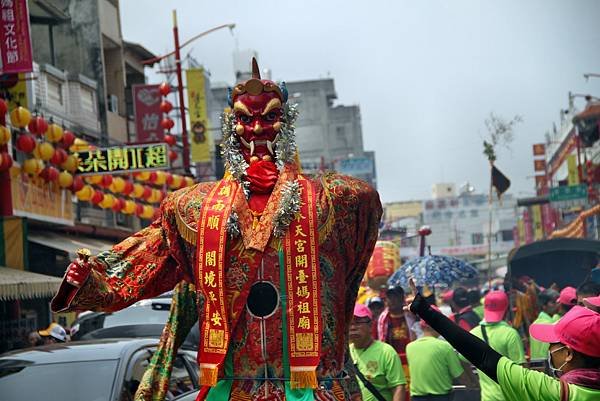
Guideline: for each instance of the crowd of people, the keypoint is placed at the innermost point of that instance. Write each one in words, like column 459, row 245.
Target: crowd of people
column 422, row 352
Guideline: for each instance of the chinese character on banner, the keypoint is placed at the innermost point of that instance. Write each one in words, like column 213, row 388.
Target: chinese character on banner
column 539, row 149
column 15, row 41
column 146, row 106
column 123, row 159
column 200, row 138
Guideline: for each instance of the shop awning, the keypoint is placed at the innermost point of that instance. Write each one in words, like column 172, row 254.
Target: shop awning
column 68, row 243
column 20, row 284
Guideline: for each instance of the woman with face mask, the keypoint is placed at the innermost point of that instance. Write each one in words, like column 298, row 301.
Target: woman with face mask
column 574, row 356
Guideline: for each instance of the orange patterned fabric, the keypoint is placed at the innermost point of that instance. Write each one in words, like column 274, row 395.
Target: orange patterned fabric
column 155, row 259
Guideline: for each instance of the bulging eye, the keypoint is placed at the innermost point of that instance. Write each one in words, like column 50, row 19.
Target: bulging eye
column 271, row 116
column 244, row 118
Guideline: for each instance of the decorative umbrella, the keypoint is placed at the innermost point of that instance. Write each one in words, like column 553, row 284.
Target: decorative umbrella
column 431, row 270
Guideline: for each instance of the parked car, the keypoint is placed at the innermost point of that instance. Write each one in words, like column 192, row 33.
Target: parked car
column 103, row 370
column 145, row 318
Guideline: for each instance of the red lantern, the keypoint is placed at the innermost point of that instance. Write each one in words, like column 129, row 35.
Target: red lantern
column 77, row 184
column 106, row 181
column 170, row 140
column 147, row 192
column 128, row 187
column 139, row 209
column 68, row 139
column 59, row 156
column 97, row 197
column 164, row 88
column 118, row 205
column 169, row 177
column 3, row 108
column 25, row 143
column 152, row 177
column 167, row 123
column 38, row 126
column 172, row 156
column 166, row 106
column 6, row 161
column 50, row 174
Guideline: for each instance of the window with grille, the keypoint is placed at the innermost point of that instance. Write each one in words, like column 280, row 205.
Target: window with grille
column 477, row 238
column 88, row 100
column 55, row 92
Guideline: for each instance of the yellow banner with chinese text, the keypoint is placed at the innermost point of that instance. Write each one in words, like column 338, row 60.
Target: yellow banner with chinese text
column 573, row 178
column 538, row 230
column 200, row 138
column 34, row 198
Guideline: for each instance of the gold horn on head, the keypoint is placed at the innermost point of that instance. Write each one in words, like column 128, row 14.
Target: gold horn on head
column 255, row 69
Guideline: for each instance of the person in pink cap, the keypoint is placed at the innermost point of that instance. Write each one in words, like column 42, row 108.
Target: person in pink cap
column 377, row 363
column 574, row 356
column 592, row 303
column 499, row 335
column 566, row 300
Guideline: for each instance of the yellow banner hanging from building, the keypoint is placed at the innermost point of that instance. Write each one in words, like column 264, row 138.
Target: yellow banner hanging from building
column 200, row 139
column 573, row 178
column 538, row 230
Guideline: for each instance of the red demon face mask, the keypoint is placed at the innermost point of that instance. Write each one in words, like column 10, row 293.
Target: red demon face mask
column 257, row 106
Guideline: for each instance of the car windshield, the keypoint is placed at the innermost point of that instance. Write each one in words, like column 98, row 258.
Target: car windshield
column 143, row 314
column 94, row 381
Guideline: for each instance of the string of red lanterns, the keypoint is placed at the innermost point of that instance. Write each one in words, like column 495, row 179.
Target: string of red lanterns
column 49, row 143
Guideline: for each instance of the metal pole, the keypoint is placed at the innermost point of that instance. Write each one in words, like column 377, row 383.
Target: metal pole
column 184, row 133
column 489, row 252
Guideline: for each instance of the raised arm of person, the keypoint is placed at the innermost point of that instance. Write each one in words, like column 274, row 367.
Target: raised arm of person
column 144, row 265
column 475, row 350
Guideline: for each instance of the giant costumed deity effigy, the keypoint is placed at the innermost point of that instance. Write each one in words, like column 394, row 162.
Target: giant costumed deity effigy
column 275, row 257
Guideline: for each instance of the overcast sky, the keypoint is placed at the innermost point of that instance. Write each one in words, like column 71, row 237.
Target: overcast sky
column 425, row 73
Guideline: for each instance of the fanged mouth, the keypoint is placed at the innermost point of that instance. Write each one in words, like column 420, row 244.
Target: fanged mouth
column 252, row 144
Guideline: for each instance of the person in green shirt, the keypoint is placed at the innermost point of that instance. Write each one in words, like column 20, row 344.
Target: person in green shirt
column 378, row 362
column 547, row 301
column 475, row 300
column 433, row 366
column 574, row 355
column 500, row 336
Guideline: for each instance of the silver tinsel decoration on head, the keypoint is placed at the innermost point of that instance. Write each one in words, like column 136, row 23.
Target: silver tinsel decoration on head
column 289, row 206
column 285, row 147
column 230, row 148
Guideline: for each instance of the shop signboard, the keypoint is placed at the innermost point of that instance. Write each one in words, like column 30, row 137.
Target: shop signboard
column 146, row 106
column 568, row 192
column 123, row 159
column 34, row 198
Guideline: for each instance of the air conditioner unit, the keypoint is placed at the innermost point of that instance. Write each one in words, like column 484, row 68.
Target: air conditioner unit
column 113, row 103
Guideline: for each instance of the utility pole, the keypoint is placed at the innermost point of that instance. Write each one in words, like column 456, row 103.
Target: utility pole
column 184, row 133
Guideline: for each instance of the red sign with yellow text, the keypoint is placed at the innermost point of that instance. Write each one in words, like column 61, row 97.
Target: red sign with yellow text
column 15, row 41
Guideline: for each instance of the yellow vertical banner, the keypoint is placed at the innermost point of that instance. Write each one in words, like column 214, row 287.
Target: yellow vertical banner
column 521, row 230
column 573, row 178
column 200, row 139
column 538, row 231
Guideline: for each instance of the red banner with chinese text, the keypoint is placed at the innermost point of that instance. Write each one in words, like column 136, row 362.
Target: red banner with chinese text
column 212, row 238
column 301, row 252
column 146, row 106
column 15, row 40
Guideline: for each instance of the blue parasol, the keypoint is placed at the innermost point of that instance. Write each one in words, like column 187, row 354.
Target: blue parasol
column 432, row 270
